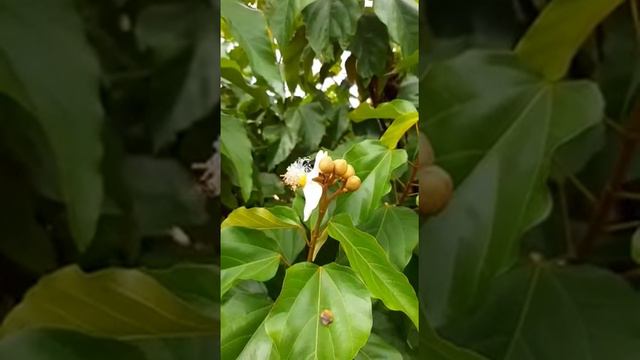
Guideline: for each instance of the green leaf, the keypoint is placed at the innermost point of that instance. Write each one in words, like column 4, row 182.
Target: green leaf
column 161, row 205
column 291, row 57
column 551, row 42
column 259, row 347
column 196, row 284
column 287, row 135
column 396, row 229
column 435, row 347
column 242, row 315
column 262, row 219
column 398, row 128
column 115, row 303
column 70, row 115
column 247, row 254
column 370, row 261
column 484, row 139
column 377, row 349
column 328, row 21
column 249, row 28
column 583, row 312
column 370, row 46
column 374, row 163
column 235, row 146
column 311, row 293
column 282, row 16
column 388, row 110
column 230, row 71
column 401, row 18
column 312, row 124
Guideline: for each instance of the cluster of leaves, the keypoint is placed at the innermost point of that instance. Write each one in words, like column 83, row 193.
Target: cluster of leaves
column 108, row 239
column 298, row 76
column 526, row 262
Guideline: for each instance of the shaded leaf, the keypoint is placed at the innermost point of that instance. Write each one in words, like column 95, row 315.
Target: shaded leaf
column 71, row 116
column 401, row 18
column 236, row 147
column 328, row 21
column 370, row 45
column 377, row 348
column 242, row 315
column 476, row 237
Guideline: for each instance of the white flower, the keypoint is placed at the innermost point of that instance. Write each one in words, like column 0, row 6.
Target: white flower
column 300, row 174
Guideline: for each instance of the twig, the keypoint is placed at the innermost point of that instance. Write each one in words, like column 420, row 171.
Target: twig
column 407, row 188
column 618, row 176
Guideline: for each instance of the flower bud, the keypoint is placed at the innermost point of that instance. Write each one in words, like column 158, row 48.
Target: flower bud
column 339, row 167
column 326, row 165
column 349, row 173
column 353, row 183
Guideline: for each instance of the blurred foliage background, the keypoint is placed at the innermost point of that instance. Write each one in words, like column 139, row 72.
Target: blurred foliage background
column 108, row 117
column 550, row 272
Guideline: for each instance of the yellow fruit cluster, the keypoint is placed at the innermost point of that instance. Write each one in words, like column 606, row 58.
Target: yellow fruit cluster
column 340, row 169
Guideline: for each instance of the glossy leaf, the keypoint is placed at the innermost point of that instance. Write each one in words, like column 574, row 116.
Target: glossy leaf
column 551, row 42
column 370, row 45
column 249, row 28
column 323, row 312
column 401, row 18
column 387, row 110
column 396, row 229
column 370, row 261
column 476, row 237
column 374, row 163
column 262, row 218
column 242, row 315
column 235, row 146
column 259, row 347
column 114, row 303
column 398, row 128
column 71, row 116
column 328, row 21
column 247, row 254
column 570, row 305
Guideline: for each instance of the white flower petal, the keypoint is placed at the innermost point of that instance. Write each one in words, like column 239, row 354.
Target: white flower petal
column 312, row 193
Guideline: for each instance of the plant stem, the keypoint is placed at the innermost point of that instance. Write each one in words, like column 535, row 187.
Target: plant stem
column 618, row 176
column 414, row 171
column 322, row 209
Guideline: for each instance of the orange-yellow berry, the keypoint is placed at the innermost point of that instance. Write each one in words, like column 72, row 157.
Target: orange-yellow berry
column 349, row 173
column 339, row 167
column 353, row 183
column 326, row 165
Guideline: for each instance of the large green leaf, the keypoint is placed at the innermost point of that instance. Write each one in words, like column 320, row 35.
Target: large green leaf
column 247, row 254
column 262, row 218
column 249, row 28
column 70, row 115
column 551, row 42
column 396, row 229
column 370, row 45
column 115, row 303
column 401, row 18
column 435, row 347
column 377, row 349
column 282, row 16
column 259, row 347
column 242, row 315
column 374, row 164
column 550, row 312
column 236, row 147
column 370, row 261
column 328, row 21
column 160, row 205
column 312, row 124
column 310, row 296
column 230, row 71
column 486, row 139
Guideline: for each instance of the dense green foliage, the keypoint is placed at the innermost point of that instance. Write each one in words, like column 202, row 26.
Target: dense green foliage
column 107, row 118
column 299, row 77
column 533, row 110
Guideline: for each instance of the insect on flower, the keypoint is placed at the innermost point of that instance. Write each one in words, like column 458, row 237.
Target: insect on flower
column 301, row 174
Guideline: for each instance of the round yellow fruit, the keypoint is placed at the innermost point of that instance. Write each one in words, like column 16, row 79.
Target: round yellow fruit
column 326, row 165
column 353, row 183
column 339, row 167
column 436, row 189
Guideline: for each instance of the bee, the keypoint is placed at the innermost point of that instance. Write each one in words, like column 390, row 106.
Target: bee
column 326, row 317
